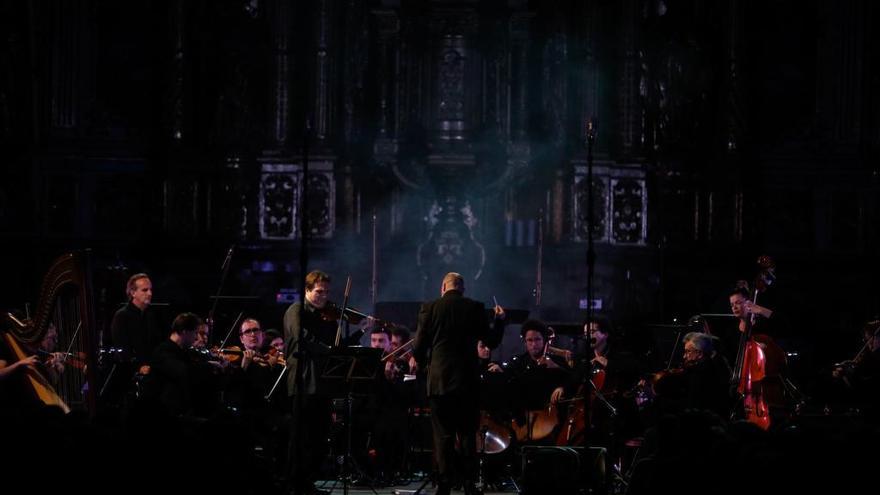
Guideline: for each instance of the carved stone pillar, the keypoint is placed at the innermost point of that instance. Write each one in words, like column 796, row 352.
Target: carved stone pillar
column 518, row 149
column 324, row 72
column 519, row 54
column 65, row 65
column 356, row 40
column 454, row 66
column 279, row 104
column 554, row 77
column 388, row 40
column 629, row 131
column 388, row 31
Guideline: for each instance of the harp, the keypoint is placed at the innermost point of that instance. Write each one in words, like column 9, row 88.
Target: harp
column 65, row 302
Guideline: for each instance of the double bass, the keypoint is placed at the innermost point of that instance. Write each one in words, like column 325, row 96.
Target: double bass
column 758, row 359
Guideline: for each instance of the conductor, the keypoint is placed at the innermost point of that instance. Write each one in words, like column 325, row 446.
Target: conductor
column 445, row 343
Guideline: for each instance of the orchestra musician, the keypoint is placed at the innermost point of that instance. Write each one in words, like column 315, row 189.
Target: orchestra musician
column 172, row 377
column 308, row 334
column 380, row 338
column 386, row 410
column 275, row 340
column 535, row 335
column 203, row 336
column 53, row 362
column 45, row 360
column 400, row 335
column 486, row 363
column 532, row 377
column 860, row 376
column 764, row 322
column 136, row 328
column 255, row 373
column 600, row 378
column 703, row 381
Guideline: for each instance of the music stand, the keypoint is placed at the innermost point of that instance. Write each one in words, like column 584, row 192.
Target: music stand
column 344, row 370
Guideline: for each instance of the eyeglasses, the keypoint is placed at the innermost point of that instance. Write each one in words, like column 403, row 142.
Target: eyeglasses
column 251, row 331
column 692, row 351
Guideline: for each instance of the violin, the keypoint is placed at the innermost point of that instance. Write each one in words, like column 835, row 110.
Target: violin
column 74, row 359
column 397, row 361
column 404, row 350
column 234, row 355
column 332, row 312
column 230, row 354
column 273, row 354
column 845, row 369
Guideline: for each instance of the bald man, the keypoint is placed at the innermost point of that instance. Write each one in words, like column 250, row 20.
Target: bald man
column 445, row 343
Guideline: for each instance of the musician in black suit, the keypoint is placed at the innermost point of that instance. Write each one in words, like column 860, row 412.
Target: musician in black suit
column 445, row 343
column 173, row 373
column 136, row 328
column 309, row 334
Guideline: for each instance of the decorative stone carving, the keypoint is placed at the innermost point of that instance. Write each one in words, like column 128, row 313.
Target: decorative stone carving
column 280, row 193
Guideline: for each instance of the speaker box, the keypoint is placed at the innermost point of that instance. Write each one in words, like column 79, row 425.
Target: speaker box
column 563, row 470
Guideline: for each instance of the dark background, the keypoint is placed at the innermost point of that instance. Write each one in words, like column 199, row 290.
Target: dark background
column 160, row 134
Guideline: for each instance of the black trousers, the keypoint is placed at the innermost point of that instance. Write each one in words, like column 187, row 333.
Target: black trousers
column 309, row 428
column 455, row 417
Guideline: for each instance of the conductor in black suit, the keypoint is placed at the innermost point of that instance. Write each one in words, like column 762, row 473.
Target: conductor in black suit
column 445, row 345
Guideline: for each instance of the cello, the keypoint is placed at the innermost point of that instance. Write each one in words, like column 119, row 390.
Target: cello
column 754, row 355
column 592, row 390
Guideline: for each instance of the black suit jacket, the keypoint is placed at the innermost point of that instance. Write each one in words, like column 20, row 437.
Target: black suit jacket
column 449, row 328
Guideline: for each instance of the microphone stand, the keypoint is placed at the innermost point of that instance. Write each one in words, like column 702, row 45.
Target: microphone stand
column 591, row 254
